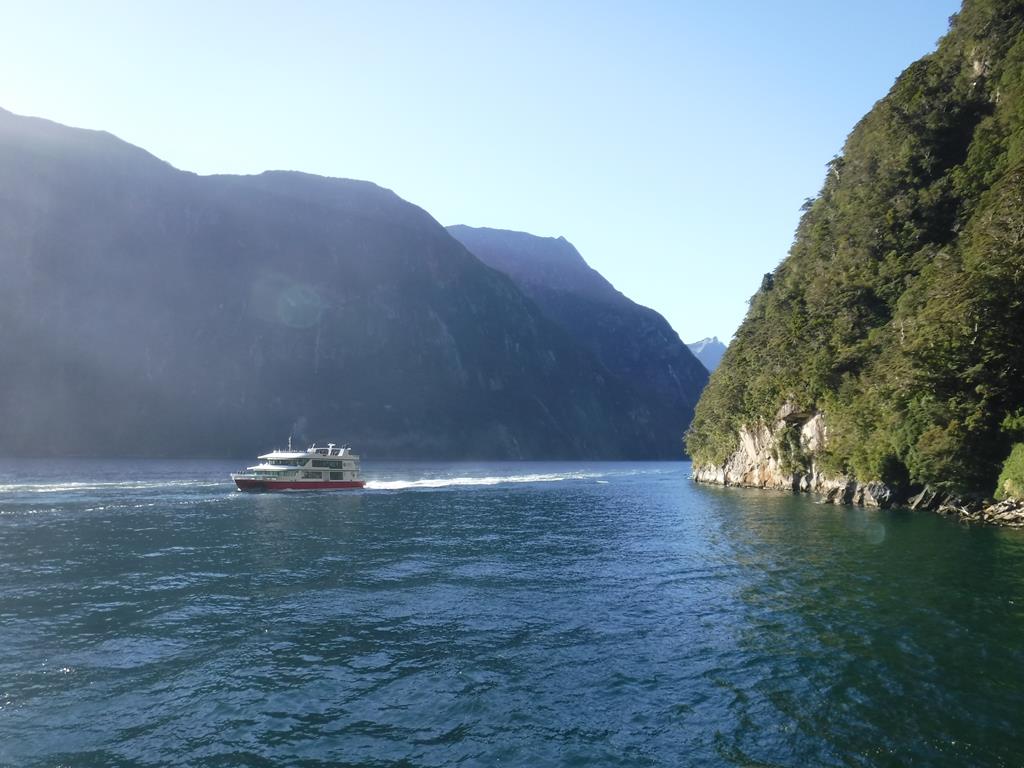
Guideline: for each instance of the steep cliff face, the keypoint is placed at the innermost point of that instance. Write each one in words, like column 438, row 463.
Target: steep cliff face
column 785, row 456
column 639, row 349
column 150, row 311
column 897, row 312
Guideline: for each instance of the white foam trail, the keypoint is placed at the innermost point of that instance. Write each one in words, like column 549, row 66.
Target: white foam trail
column 446, row 482
column 95, row 486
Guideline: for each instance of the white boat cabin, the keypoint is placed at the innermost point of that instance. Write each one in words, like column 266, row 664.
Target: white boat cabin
column 330, row 463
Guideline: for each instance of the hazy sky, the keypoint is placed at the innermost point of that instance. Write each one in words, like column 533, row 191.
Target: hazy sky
column 672, row 142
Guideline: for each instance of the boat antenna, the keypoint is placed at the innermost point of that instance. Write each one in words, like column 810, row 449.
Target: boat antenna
column 289, row 442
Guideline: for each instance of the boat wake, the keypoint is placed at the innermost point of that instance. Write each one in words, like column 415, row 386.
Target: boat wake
column 72, row 487
column 447, row 482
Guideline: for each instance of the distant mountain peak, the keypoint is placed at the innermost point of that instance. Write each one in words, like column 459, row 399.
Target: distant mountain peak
column 709, row 351
column 552, row 263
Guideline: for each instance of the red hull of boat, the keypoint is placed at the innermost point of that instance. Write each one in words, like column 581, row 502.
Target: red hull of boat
column 297, row 485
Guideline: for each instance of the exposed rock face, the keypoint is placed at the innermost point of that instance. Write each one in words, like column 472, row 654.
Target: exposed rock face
column 927, row 499
column 757, row 463
column 753, row 465
column 1009, row 513
column 764, row 460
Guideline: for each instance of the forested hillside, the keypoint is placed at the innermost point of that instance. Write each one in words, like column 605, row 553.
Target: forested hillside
column 899, row 313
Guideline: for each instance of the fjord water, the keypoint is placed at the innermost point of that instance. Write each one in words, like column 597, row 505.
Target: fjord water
column 513, row 614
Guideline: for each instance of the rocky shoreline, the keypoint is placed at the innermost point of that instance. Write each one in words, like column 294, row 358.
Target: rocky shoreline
column 762, row 461
column 842, row 491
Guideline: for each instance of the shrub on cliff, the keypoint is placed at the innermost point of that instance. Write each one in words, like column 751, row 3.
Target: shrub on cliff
column 1011, row 479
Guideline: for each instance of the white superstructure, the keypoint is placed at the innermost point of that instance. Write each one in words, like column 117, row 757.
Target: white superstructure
column 312, row 469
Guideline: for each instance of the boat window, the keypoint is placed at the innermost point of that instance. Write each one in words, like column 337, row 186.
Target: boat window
column 312, row 475
column 327, row 464
column 337, row 475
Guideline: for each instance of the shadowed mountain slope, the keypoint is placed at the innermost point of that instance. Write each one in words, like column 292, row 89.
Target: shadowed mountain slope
column 634, row 343
column 152, row 311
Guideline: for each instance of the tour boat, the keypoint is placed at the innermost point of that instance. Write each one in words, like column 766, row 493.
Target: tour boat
column 309, row 470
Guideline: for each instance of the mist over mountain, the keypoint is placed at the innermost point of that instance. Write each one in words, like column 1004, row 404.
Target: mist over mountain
column 709, row 351
column 151, row 311
column 634, row 343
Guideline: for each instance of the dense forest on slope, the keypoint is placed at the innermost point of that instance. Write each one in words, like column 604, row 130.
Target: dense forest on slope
column 900, row 309
column 634, row 343
column 150, row 311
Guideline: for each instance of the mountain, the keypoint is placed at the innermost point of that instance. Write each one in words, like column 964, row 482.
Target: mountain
column 635, row 344
column 150, row 311
column 883, row 357
column 709, row 351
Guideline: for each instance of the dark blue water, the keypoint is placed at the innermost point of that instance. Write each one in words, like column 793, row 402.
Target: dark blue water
column 526, row 615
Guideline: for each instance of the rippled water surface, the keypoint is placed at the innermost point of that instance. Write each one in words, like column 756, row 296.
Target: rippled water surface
column 512, row 614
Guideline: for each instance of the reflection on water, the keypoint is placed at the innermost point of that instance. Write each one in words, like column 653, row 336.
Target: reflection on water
column 888, row 634
column 524, row 614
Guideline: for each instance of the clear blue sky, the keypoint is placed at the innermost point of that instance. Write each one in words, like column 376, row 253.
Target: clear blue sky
column 672, row 142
